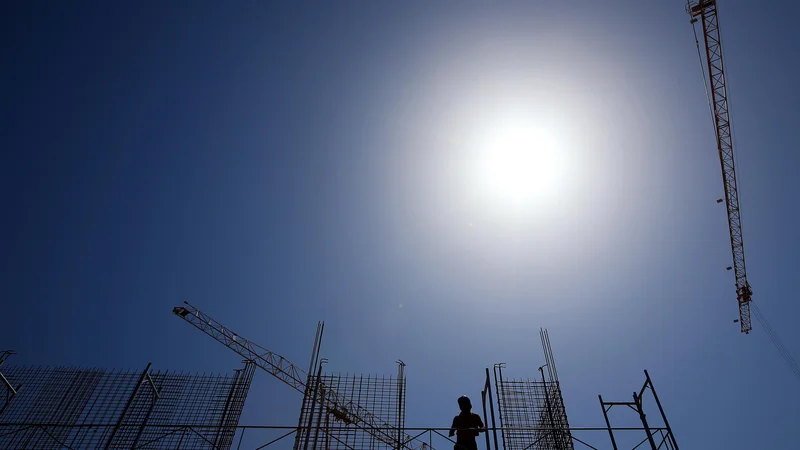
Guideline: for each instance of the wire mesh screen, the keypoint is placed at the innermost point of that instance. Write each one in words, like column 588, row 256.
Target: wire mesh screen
column 329, row 419
column 85, row 408
column 533, row 415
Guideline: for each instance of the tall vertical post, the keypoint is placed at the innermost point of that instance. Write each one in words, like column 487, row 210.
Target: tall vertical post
column 309, row 378
column 608, row 423
column 649, row 382
column 556, row 408
column 485, row 419
column 127, row 406
column 549, row 409
column 638, row 401
column 498, row 381
column 491, row 409
column 400, row 402
column 313, row 406
column 319, row 415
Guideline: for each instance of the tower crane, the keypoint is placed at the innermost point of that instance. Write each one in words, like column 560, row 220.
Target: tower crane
column 705, row 11
column 343, row 409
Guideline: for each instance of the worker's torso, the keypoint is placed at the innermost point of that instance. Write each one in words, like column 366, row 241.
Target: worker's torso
column 470, row 420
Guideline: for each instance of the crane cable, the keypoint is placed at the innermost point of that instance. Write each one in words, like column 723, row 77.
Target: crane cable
column 776, row 341
column 705, row 79
column 762, row 319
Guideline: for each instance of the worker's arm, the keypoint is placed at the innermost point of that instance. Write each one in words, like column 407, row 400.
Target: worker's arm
column 453, row 427
column 481, row 426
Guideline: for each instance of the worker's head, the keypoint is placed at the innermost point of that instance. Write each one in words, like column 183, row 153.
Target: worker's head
column 464, row 404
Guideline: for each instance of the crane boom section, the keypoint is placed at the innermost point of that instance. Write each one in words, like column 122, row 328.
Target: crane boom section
column 271, row 362
column 706, row 10
column 281, row 368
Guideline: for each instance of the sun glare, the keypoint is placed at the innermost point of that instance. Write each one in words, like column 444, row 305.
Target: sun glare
column 520, row 164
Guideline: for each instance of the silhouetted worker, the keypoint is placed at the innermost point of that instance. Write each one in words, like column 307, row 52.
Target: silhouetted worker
column 467, row 424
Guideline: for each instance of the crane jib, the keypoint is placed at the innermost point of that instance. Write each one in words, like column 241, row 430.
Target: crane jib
column 290, row 374
column 705, row 11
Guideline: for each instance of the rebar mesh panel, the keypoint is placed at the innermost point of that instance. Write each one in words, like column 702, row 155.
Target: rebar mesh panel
column 330, row 426
column 82, row 408
column 533, row 415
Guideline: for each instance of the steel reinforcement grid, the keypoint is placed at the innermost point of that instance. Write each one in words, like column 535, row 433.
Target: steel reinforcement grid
column 95, row 408
column 329, row 426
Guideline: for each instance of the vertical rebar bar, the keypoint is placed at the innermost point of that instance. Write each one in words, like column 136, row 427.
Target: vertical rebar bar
column 485, row 418
column 498, row 381
column 311, row 409
column 491, row 409
column 549, row 410
column 321, row 412
column 308, row 387
column 400, row 401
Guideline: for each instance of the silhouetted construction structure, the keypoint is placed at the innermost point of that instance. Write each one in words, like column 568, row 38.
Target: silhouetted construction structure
column 95, row 408
column 531, row 411
column 321, row 395
column 657, row 438
column 330, row 426
column 368, row 412
column 705, row 11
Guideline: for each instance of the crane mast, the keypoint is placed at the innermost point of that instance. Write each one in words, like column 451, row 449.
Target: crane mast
column 705, row 11
column 344, row 409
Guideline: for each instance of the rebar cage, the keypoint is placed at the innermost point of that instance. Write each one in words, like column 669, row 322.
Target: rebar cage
column 328, row 424
column 94, row 408
column 533, row 415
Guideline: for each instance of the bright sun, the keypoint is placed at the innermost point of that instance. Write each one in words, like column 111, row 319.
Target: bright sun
column 520, row 165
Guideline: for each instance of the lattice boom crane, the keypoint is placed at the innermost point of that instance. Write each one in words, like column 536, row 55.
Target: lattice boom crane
column 278, row 366
column 705, row 11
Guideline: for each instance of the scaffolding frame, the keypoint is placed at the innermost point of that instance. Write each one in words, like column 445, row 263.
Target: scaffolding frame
column 423, row 437
column 95, row 408
column 664, row 434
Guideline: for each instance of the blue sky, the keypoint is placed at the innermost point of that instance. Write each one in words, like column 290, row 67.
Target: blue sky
column 277, row 164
